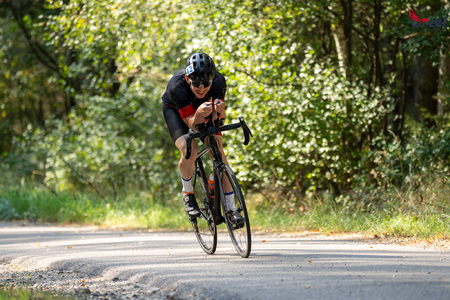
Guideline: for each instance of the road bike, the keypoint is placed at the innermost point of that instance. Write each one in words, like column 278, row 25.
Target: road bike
column 213, row 207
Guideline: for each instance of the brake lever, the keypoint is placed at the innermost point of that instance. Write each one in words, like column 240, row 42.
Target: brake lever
column 247, row 132
column 188, row 138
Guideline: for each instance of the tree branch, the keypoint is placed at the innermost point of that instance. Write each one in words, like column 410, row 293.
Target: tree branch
column 362, row 33
column 35, row 47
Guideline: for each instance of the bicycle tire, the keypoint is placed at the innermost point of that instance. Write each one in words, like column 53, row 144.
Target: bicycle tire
column 204, row 227
column 240, row 235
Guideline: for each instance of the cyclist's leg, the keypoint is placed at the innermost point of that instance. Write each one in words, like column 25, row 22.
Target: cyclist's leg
column 177, row 129
column 231, row 202
column 186, row 166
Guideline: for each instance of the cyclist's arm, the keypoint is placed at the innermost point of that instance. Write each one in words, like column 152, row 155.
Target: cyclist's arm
column 220, row 107
column 218, row 91
column 193, row 120
column 198, row 116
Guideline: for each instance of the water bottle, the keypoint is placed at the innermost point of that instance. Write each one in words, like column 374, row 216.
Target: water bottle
column 211, row 184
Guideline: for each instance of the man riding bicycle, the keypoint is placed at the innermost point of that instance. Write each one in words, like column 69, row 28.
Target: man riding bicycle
column 189, row 99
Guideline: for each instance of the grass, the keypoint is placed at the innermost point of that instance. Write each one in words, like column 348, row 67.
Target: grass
column 23, row 293
column 132, row 211
column 137, row 211
column 402, row 225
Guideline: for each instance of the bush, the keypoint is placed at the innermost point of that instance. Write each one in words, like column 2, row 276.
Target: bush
column 112, row 146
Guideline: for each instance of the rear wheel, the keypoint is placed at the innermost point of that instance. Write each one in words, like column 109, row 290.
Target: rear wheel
column 239, row 233
column 204, row 226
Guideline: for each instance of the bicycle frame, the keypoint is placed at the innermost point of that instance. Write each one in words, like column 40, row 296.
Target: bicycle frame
column 215, row 206
column 217, row 158
column 217, row 162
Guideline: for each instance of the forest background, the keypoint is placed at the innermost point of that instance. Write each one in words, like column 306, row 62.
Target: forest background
column 347, row 100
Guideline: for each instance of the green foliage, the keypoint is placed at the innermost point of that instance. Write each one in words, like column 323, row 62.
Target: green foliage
column 21, row 292
column 136, row 211
column 310, row 138
column 420, row 211
column 400, row 225
column 28, row 91
column 413, row 217
column 112, row 41
column 116, row 144
column 106, row 57
column 426, row 155
column 322, row 87
column 311, row 126
column 424, row 41
column 315, row 129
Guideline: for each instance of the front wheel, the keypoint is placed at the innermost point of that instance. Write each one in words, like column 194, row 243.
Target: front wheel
column 239, row 232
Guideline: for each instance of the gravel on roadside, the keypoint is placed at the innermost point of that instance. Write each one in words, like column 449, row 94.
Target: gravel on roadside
column 83, row 286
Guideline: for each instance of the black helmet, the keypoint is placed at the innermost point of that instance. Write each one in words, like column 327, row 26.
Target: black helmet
column 200, row 68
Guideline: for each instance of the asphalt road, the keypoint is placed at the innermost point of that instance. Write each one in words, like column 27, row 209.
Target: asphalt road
column 280, row 267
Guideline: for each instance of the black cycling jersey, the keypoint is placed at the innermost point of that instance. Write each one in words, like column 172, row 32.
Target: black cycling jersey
column 180, row 96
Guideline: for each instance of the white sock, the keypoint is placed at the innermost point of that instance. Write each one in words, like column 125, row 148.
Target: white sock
column 187, row 185
column 229, row 200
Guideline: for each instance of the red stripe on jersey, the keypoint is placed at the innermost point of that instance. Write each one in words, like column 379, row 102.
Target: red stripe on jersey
column 187, row 111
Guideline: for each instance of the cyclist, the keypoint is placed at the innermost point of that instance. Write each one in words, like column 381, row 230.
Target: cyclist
column 187, row 102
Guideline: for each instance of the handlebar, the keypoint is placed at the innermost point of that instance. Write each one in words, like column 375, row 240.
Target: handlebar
column 214, row 130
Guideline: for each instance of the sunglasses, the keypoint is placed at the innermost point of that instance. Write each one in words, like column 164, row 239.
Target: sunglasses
column 197, row 83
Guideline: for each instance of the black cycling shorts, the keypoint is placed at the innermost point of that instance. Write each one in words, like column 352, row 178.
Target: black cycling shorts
column 174, row 122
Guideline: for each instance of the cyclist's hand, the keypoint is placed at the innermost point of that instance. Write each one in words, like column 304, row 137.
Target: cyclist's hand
column 204, row 110
column 220, row 105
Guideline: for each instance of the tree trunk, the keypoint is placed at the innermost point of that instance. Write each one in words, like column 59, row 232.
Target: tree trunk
column 444, row 71
column 339, row 39
column 443, row 88
column 342, row 34
column 428, row 86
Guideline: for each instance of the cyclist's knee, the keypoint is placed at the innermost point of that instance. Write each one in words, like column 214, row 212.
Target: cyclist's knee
column 194, row 151
column 181, row 145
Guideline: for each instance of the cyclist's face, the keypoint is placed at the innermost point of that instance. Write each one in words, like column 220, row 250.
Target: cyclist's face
column 200, row 91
